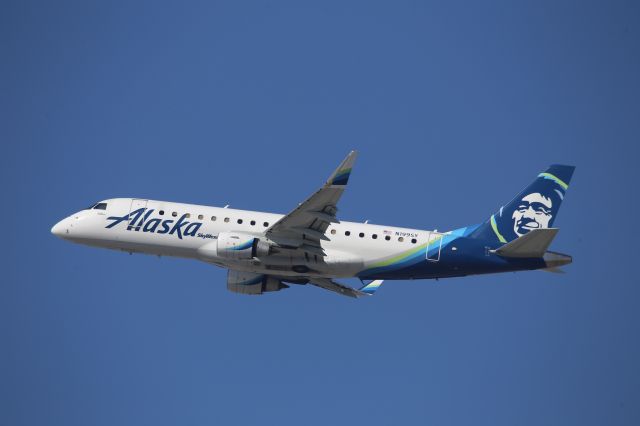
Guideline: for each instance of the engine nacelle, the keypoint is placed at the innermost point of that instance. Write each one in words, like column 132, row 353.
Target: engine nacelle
column 250, row 283
column 238, row 246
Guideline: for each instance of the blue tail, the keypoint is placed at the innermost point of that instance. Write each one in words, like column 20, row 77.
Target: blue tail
column 534, row 208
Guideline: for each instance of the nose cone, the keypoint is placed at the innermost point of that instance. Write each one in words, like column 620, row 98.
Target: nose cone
column 60, row 229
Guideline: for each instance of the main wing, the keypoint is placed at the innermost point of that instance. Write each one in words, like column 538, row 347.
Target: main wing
column 304, row 227
column 255, row 283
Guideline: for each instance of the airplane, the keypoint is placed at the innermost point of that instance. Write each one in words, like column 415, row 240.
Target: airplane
column 267, row 252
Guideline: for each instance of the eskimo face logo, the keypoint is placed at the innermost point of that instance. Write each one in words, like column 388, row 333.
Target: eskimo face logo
column 532, row 212
column 138, row 220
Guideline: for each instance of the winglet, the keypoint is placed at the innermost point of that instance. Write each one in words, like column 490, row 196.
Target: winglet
column 371, row 288
column 341, row 175
column 345, row 290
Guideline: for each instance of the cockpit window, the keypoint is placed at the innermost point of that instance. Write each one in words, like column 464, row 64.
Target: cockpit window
column 97, row 206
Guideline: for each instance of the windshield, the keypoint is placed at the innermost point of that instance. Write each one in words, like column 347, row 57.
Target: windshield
column 97, row 206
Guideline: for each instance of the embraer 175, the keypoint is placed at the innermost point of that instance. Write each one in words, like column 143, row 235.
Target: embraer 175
column 265, row 252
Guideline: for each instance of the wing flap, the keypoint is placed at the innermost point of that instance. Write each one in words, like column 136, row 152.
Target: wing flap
column 323, row 216
column 313, row 249
column 310, row 232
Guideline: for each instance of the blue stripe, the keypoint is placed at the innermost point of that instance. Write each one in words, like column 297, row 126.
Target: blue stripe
column 421, row 255
column 252, row 281
column 243, row 246
column 341, row 178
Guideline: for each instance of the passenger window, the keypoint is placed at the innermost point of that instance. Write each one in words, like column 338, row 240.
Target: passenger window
column 413, row 241
column 239, row 221
column 188, row 215
column 226, row 220
column 266, row 224
column 401, row 239
column 213, row 218
column 361, row 234
column 387, row 237
column 200, row 217
column 253, row 222
column 174, row 214
column 333, row 232
column 347, row 233
column 161, row 212
column 374, row 236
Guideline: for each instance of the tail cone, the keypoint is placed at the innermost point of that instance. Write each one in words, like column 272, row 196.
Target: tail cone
column 554, row 260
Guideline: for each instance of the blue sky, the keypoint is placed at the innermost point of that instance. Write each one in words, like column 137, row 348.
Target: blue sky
column 454, row 107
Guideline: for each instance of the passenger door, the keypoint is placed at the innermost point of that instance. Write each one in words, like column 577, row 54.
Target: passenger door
column 433, row 246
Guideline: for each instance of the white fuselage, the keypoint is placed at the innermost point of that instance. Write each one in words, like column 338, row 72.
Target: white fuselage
column 349, row 249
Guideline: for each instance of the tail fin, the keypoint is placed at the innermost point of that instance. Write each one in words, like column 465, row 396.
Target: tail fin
column 536, row 207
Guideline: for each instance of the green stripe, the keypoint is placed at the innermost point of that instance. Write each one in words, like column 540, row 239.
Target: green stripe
column 343, row 172
column 400, row 257
column 495, row 229
column 555, row 179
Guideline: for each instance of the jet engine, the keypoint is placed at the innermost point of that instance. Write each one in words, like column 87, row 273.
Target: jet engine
column 238, row 246
column 250, row 283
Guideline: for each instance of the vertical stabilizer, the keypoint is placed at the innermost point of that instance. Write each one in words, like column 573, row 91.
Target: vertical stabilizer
column 536, row 207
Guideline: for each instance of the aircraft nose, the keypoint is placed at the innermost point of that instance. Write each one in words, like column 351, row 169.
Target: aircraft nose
column 59, row 229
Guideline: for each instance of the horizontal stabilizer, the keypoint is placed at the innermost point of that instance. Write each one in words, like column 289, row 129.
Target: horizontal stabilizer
column 532, row 244
column 555, row 270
